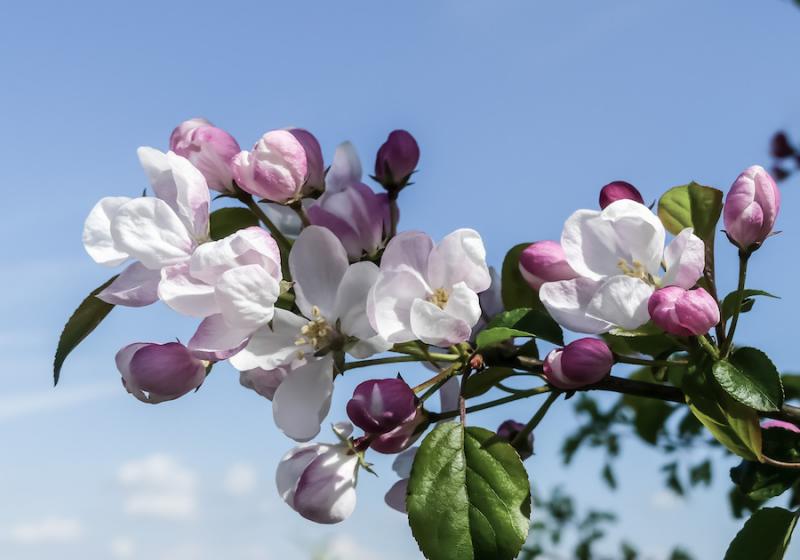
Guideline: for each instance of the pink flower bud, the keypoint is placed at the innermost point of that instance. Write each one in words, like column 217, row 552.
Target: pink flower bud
column 683, row 312
column 619, row 190
column 404, row 435
column 769, row 424
column 155, row 373
column 210, row 149
column 582, row 362
column 316, row 167
column 544, row 261
column 751, row 207
column 396, row 160
column 276, row 169
column 780, row 147
column 508, row 431
column 381, row 405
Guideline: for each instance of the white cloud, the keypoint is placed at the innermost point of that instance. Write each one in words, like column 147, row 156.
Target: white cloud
column 49, row 529
column 122, row 548
column 345, row 547
column 666, row 500
column 15, row 406
column 240, row 479
column 159, row 486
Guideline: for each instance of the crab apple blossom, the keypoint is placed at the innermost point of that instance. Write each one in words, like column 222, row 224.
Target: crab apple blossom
column 544, row 261
column 582, row 362
column 210, row 149
column 359, row 217
column 155, row 373
column 509, row 430
column 429, row 292
column 315, row 179
column 751, row 207
column 619, row 190
column 380, row 405
column 396, row 160
column 617, row 254
column 318, row 480
column 683, row 312
column 156, row 232
column 396, row 496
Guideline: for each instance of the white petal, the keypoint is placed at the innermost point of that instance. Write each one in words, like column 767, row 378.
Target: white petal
column 459, row 257
column 273, row 346
column 150, row 231
column 216, row 340
column 622, row 301
column 389, row 303
column 185, row 294
column 97, row 238
column 246, row 296
column 317, row 262
column 435, row 326
column 303, row 399
column 291, row 467
column 136, row 286
column 395, row 498
column 351, row 299
column 403, row 462
column 684, row 259
column 449, row 394
column 345, row 169
column 567, row 300
column 464, row 304
column 326, row 491
column 365, row 348
column 409, row 248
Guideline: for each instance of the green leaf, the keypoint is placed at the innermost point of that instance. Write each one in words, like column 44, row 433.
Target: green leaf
column 759, row 481
column 468, row 496
column 83, row 321
column 650, row 415
column 514, row 290
column 765, row 536
column 729, row 303
column 480, row 383
column 225, row 221
column 691, row 205
column 791, row 386
column 490, row 337
column 750, row 377
column 532, row 322
column 651, row 345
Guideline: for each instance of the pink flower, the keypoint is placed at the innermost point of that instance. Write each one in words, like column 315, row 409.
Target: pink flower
column 544, row 261
column 210, row 149
column 683, row 312
column 751, row 207
column 582, row 362
column 769, row 424
column 276, row 169
column 396, row 160
column 155, row 373
column 618, row 190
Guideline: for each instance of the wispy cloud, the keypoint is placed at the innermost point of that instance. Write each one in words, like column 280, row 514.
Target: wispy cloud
column 48, row 529
column 122, row 548
column 241, row 479
column 25, row 404
column 159, row 486
column 666, row 500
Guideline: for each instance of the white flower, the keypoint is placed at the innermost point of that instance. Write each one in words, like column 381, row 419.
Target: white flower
column 618, row 253
column 429, row 293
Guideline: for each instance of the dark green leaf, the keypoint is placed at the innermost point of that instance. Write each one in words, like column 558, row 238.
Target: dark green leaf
column 693, row 206
column 514, row 290
column 479, row 383
column 83, row 321
column 750, row 377
column 490, row 337
column 765, row 536
column 608, row 476
column 700, row 473
column 729, row 303
column 468, row 497
column 225, row 221
column 759, row 481
column 651, row 345
column 791, row 385
column 533, row 322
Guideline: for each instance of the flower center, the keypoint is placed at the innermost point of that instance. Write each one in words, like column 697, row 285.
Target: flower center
column 636, row 270
column 317, row 332
column 439, row 298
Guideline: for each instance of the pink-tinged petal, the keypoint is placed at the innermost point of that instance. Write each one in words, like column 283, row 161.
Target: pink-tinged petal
column 345, row 169
column 409, row 248
column 262, row 381
column 459, row 257
column 136, row 286
column 554, row 373
column 751, row 207
column 302, row 401
column 274, row 345
column 209, row 148
column 317, row 262
column 326, row 491
column 621, row 301
column 567, row 302
column 186, row 294
column 291, row 467
column 389, row 303
column 434, row 326
column 150, row 231
column 215, row 340
column 251, row 245
column 315, row 176
column 396, row 496
column 156, row 373
column 684, row 259
column 246, row 296
column 276, row 169
column 463, row 304
column 97, row 239
column 769, row 424
column 351, row 300
column 544, row 261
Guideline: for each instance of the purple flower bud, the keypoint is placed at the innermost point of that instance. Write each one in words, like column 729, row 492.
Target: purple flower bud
column 396, row 160
column 315, row 180
column 210, row 149
column 582, row 362
column 770, row 424
column 619, row 190
column 275, row 169
column 381, row 405
column 751, row 207
column 155, row 373
column 404, row 435
column 779, row 173
column 780, row 147
column 683, row 312
column 544, row 261
column 508, row 430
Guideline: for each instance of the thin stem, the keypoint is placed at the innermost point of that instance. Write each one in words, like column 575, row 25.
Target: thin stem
column 443, row 375
column 394, row 213
column 709, row 275
column 435, row 417
column 430, row 356
column 284, row 244
column 744, row 256
column 301, row 213
column 706, row 345
column 380, row 361
column 652, row 363
column 781, row 464
column 531, row 425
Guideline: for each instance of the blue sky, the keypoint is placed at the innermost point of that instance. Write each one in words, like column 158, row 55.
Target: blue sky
column 522, row 110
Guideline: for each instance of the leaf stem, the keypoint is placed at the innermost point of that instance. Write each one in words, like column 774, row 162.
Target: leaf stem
column 380, row 361
column 744, row 257
column 437, row 416
column 652, row 363
column 247, row 199
column 531, row 425
column 706, row 345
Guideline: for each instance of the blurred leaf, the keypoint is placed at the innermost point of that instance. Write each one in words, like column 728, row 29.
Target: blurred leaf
column 225, row 221
column 700, row 473
column 765, row 535
column 515, row 291
column 650, row 415
column 608, row 476
column 791, row 386
column 760, row 482
column 691, row 205
column 83, row 321
column 480, row 383
column 468, row 497
column 750, row 377
column 729, row 303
